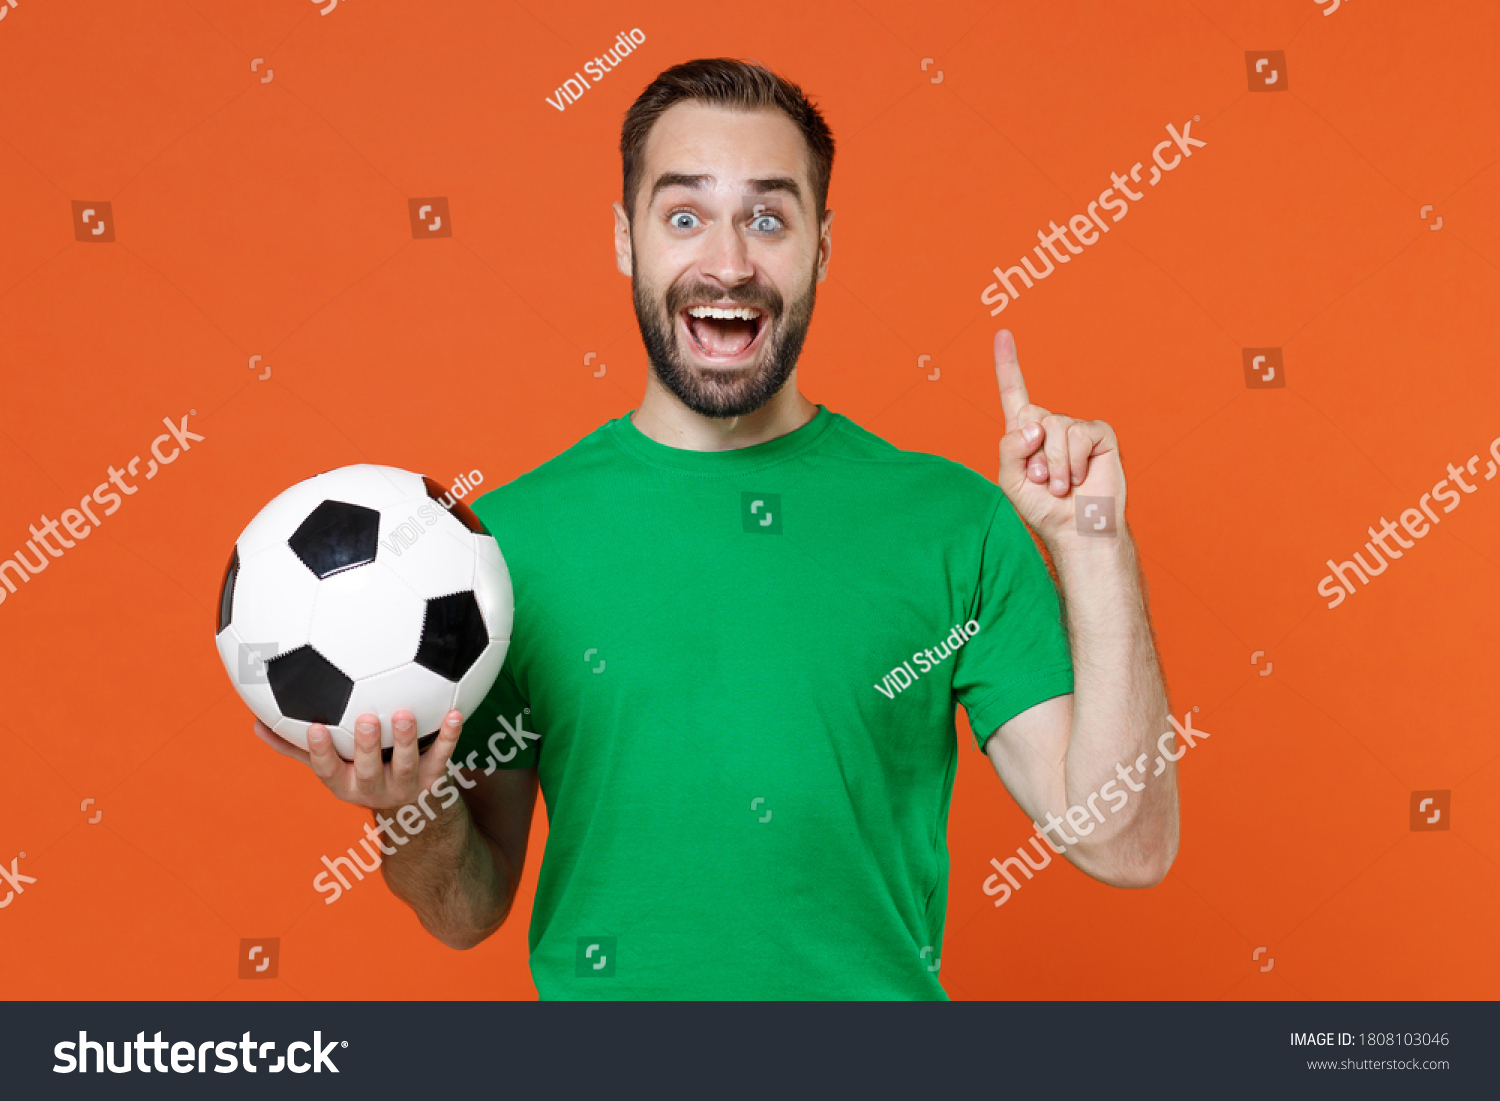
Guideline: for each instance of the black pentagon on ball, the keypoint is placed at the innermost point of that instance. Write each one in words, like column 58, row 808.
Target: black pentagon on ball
column 453, row 635
column 461, row 512
column 337, row 536
column 308, row 686
column 226, row 590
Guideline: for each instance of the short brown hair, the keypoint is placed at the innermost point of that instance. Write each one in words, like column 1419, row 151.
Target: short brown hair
column 725, row 82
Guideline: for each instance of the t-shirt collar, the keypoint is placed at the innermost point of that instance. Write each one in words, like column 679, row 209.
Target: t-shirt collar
column 736, row 461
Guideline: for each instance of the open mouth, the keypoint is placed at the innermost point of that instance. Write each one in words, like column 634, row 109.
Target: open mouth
column 726, row 335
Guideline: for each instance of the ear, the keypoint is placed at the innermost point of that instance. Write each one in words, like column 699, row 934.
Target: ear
column 825, row 246
column 624, row 260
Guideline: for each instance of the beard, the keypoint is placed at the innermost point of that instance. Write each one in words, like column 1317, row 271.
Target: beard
column 723, row 392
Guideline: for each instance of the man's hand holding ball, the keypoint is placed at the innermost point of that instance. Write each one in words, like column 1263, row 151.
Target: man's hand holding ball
column 369, row 781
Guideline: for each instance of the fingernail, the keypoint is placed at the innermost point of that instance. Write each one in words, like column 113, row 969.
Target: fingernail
column 366, row 728
column 403, row 724
column 452, row 720
column 1031, row 432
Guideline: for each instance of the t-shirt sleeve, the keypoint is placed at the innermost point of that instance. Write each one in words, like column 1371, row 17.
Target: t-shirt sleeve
column 498, row 734
column 1019, row 656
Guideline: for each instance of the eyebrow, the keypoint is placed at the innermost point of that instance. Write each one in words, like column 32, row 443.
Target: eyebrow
column 763, row 186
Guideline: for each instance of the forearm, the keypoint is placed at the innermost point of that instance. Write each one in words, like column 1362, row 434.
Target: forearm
column 1120, row 710
column 454, row 878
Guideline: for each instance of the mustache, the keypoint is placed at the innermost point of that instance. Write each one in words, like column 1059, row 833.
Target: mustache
column 760, row 297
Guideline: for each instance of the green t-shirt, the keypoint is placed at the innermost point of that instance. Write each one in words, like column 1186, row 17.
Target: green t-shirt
column 741, row 669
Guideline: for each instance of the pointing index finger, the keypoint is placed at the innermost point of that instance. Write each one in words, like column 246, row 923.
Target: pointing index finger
column 1013, row 396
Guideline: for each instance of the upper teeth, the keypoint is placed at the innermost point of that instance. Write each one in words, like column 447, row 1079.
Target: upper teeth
column 744, row 313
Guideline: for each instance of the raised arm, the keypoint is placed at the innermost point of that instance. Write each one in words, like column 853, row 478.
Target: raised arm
column 1087, row 766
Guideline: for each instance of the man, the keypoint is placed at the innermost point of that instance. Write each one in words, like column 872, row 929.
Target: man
column 743, row 625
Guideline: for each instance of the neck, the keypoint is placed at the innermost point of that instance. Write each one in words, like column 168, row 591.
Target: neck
column 662, row 417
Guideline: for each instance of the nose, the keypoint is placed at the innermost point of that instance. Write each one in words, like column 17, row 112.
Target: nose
column 725, row 258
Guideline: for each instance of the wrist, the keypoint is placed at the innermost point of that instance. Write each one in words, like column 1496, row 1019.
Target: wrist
column 423, row 813
column 1072, row 551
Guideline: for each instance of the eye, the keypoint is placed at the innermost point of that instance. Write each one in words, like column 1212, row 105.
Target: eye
column 673, row 219
column 767, row 223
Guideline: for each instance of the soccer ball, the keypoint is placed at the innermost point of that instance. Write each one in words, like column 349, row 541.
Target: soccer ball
column 363, row 589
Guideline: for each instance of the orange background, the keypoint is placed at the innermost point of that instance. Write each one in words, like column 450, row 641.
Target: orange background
column 270, row 218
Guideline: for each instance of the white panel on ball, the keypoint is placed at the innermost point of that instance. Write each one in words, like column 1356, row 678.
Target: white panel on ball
column 368, row 484
column 492, row 588
column 247, row 672
column 413, row 687
column 438, row 561
column 274, row 523
column 273, row 598
column 295, row 731
column 365, row 621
